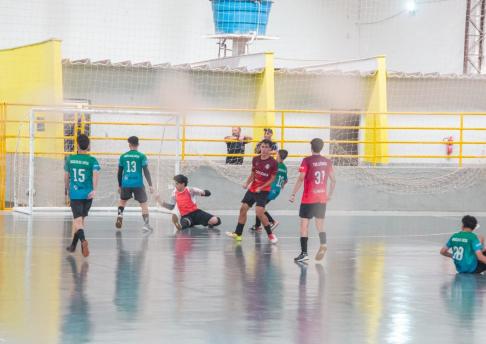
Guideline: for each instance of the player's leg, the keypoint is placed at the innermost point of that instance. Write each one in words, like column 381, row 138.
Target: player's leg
column 77, row 210
column 305, row 216
column 141, row 196
column 246, row 203
column 84, row 243
column 320, row 213
column 261, row 201
column 125, row 195
column 273, row 222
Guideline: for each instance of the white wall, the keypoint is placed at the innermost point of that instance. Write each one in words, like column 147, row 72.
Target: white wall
column 172, row 31
column 431, row 40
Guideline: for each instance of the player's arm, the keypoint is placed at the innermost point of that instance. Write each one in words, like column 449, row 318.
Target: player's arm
column 249, row 180
column 119, row 176
column 247, row 139
column 167, row 205
column 66, row 182
column 332, row 179
column 445, row 252
column 146, row 173
column 297, row 186
column 199, row 192
column 481, row 257
column 96, row 178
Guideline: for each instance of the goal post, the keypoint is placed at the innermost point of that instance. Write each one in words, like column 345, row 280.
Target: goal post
column 38, row 161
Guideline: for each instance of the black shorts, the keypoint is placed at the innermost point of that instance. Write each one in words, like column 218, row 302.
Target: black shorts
column 198, row 217
column 310, row 210
column 80, row 207
column 260, row 198
column 138, row 193
column 480, row 268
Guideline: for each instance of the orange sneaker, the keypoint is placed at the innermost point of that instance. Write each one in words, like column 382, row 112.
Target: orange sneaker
column 84, row 248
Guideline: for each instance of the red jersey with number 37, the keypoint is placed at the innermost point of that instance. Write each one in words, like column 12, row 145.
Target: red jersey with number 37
column 317, row 169
column 263, row 170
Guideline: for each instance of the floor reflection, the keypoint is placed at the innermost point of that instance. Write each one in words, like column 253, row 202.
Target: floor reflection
column 76, row 325
column 129, row 269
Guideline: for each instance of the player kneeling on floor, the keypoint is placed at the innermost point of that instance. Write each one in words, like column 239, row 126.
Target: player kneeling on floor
column 184, row 198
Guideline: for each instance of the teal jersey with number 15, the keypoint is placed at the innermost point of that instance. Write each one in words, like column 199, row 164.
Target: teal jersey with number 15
column 80, row 168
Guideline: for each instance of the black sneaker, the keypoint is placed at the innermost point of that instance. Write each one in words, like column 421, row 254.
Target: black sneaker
column 302, row 257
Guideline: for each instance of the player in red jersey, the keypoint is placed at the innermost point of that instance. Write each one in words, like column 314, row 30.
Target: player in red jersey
column 263, row 172
column 184, row 198
column 315, row 170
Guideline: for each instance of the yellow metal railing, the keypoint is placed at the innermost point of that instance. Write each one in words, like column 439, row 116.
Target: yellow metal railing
column 283, row 127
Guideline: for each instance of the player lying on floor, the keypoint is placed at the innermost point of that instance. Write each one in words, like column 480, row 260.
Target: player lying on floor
column 184, row 198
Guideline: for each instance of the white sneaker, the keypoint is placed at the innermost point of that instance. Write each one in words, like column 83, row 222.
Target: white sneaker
column 147, row 228
column 273, row 238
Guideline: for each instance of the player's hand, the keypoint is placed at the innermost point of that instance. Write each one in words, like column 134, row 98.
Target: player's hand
column 292, row 198
column 119, row 190
column 151, row 189
column 92, row 194
column 244, row 186
column 258, row 190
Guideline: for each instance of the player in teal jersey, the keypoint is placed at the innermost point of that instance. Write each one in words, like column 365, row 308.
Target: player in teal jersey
column 130, row 181
column 277, row 185
column 81, row 179
column 466, row 248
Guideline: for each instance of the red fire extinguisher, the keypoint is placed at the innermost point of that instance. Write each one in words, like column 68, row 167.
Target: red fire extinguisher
column 449, row 144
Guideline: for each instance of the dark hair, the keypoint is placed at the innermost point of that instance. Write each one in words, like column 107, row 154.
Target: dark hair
column 180, row 178
column 470, row 222
column 133, row 140
column 316, row 145
column 267, row 142
column 268, row 130
column 83, row 142
column 282, row 153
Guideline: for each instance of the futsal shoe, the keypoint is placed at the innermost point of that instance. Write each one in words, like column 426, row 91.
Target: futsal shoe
column 119, row 221
column 273, row 238
column 234, row 236
column 84, row 248
column 175, row 221
column 258, row 229
column 147, row 229
column 302, row 257
column 322, row 251
column 274, row 225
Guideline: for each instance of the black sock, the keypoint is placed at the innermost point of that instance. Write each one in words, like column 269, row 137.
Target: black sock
column 239, row 228
column 303, row 244
column 268, row 229
column 80, row 234
column 258, row 223
column 322, row 238
column 145, row 218
column 269, row 217
column 74, row 243
column 120, row 210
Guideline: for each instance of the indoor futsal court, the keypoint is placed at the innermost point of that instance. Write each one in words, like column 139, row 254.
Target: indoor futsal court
column 242, row 171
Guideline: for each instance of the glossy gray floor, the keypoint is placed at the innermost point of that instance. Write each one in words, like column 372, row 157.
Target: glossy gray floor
column 382, row 281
